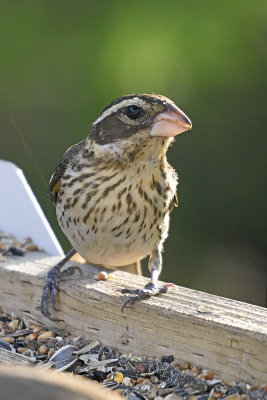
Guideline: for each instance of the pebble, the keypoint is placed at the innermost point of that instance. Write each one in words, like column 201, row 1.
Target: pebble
column 51, row 351
column 118, row 377
column 215, row 395
column 127, row 381
column 14, row 324
column 32, row 336
column 34, row 327
column 184, row 366
column 10, row 246
column 21, row 349
column 42, row 349
column 142, row 368
column 46, row 335
column 195, row 371
column 208, row 375
column 162, row 385
column 145, row 388
column 31, row 247
column 102, row 276
column 29, row 353
column 8, row 339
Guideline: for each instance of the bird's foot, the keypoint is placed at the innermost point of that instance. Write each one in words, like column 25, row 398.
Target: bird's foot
column 148, row 291
column 51, row 288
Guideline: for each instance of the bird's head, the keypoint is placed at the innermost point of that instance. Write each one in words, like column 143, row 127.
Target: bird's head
column 137, row 121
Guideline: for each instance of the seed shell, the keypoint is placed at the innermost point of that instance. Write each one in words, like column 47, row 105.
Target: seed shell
column 64, row 358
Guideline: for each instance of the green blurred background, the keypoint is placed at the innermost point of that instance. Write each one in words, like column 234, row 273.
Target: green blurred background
column 61, row 62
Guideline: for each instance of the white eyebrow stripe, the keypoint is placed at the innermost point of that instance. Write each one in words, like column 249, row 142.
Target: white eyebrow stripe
column 116, row 107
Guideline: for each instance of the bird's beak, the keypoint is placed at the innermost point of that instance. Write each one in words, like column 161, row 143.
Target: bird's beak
column 170, row 122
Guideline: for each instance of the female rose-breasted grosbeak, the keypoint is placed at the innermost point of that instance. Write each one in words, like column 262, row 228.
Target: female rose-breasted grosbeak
column 114, row 190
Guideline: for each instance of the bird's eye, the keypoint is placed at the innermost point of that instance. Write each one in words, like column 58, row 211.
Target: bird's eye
column 133, row 111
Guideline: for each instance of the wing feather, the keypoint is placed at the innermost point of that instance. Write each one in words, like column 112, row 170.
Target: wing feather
column 55, row 180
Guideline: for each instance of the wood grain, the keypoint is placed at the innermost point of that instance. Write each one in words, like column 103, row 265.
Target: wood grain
column 226, row 336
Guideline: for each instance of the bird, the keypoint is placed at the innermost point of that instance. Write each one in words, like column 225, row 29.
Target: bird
column 114, row 190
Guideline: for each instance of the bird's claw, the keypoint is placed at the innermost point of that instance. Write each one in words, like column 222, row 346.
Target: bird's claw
column 51, row 288
column 142, row 294
column 50, row 291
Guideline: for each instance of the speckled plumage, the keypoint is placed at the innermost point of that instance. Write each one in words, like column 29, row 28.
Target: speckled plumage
column 114, row 190
column 116, row 214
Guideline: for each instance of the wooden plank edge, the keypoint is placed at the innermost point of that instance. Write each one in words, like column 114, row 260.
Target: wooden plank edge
column 226, row 336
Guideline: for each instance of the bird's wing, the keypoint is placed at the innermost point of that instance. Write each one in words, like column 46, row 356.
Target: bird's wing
column 174, row 202
column 54, row 183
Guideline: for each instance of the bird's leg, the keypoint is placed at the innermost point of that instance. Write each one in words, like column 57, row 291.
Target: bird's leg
column 52, row 282
column 151, row 288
